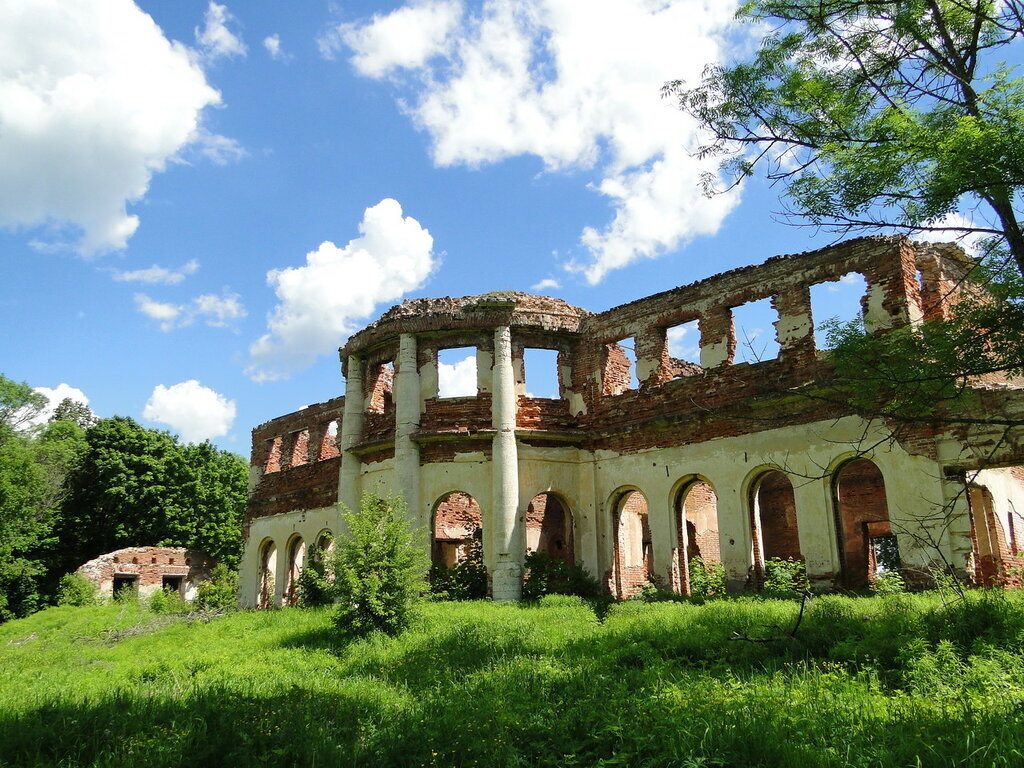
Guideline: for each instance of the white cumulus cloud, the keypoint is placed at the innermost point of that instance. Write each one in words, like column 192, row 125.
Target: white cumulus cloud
column 54, row 397
column 195, row 412
column 273, row 45
column 320, row 302
column 94, row 100
column 216, row 311
column 958, row 232
column 157, row 275
column 575, row 84
column 403, row 39
column 457, row 379
column 215, row 40
column 546, row 284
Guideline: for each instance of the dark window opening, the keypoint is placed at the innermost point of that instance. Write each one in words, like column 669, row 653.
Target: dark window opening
column 172, row 583
column 128, row 582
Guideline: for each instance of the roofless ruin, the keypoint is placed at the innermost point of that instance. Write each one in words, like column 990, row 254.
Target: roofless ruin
column 643, row 461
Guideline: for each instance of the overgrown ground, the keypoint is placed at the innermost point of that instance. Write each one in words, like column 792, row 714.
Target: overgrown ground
column 897, row 681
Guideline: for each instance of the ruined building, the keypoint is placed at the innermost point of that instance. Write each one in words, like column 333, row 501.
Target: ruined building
column 645, row 462
column 145, row 570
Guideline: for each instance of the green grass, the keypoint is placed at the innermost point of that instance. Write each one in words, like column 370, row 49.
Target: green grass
column 900, row 681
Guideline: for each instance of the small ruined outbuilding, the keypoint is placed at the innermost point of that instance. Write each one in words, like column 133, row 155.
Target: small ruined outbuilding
column 146, row 570
column 644, row 461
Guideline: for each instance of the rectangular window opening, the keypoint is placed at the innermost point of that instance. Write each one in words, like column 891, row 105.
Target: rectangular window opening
column 379, row 387
column 541, row 369
column 753, row 324
column 273, row 447
column 620, row 367
column 172, row 583
column 835, row 304
column 684, row 349
column 300, row 447
column 456, row 372
column 124, row 582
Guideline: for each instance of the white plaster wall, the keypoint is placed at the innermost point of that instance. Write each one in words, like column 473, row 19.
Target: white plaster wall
column 1007, row 498
column 280, row 528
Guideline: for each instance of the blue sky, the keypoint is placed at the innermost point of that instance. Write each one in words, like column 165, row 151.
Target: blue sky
column 198, row 202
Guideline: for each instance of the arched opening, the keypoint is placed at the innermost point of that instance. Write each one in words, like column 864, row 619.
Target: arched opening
column 458, row 529
column 268, row 566
column 296, row 556
column 633, row 552
column 867, row 544
column 988, row 537
column 697, row 530
column 773, row 521
column 549, row 528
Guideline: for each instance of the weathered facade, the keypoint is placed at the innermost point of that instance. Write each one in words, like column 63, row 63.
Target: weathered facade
column 644, row 462
column 146, row 570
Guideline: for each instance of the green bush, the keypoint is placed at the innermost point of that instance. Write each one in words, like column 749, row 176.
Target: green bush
column 784, row 578
column 707, row 579
column 315, row 581
column 75, row 589
column 547, row 575
column 466, row 580
column 888, row 583
column 168, row 600
column 378, row 570
column 220, row 591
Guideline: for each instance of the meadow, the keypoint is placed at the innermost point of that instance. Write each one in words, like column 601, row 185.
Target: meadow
column 904, row 680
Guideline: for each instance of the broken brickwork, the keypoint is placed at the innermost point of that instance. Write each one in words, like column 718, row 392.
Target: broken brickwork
column 146, row 570
column 630, row 415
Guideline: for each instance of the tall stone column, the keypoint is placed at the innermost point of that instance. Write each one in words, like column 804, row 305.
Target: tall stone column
column 351, row 431
column 407, row 422
column 509, row 536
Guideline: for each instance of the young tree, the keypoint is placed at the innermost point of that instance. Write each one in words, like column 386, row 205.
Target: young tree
column 877, row 114
column 72, row 410
column 378, row 570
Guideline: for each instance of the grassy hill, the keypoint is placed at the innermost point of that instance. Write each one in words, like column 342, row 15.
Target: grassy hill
column 895, row 681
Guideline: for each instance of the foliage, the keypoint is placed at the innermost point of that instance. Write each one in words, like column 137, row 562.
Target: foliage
column 168, row 600
column 19, row 404
column 74, row 411
column 220, row 591
column 315, row 582
column 138, row 486
column 888, row 583
column 378, row 570
column 876, row 113
column 547, row 575
column 707, row 579
column 467, row 579
column 784, row 578
column 76, row 590
column 869, row 682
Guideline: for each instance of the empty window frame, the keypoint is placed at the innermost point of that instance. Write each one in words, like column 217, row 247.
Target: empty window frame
column 836, row 303
column 620, row 367
column 753, row 324
column 540, row 368
column 379, row 389
column 456, row 372
column 684, row 349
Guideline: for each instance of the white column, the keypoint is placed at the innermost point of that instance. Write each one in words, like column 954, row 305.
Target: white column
column 351, row 431
column 508, row 536
column 407, row 422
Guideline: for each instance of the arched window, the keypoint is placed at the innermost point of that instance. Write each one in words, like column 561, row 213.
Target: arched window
column 458, row 529
column 867, row 544
column 697, row 529
column 265, row 583
column 773, row 520
column 633, row 551
column 296, row 556
column 549, row 527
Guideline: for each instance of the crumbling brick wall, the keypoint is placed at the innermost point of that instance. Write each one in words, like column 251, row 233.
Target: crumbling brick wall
column 147, row 568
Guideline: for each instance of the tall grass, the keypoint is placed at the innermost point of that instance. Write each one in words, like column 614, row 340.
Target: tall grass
column 896, row 681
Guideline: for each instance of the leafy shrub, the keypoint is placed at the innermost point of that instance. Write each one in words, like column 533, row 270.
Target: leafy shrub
column 220, row 591
column 888, row 583
column 466, row 580
column 315, row 582
column 784, row 578
column 707, row 579
column 167, row 600
column 378, row 570
column 75, row 589
column 547, row 575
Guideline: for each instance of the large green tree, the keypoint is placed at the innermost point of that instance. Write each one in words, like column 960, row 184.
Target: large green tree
column 137, row 486
column 877, row 114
